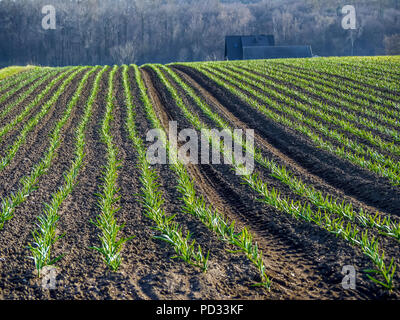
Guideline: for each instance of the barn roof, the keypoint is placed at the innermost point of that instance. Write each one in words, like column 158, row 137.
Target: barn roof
column 234, row 44
column 258, row 41
column 261, row 47
column 270, row 52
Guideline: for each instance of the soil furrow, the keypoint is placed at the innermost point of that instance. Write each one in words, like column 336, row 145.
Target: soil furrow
column 270, row 151
column 229, row 275
column 327, row 124
column 349, row 81
column 224, row 190
column 17, row 234
column 36, row 142
column 363, row 185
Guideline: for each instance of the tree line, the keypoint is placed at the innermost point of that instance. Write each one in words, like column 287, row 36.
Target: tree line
column 94, row 32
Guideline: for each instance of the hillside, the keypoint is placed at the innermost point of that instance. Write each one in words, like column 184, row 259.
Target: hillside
column 79, row 191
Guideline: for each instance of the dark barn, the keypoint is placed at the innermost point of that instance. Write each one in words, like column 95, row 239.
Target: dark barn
column 261, row 47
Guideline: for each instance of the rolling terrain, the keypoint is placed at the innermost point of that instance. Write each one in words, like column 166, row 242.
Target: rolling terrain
column 78, row 193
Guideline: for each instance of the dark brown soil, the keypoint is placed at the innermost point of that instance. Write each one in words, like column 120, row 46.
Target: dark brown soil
column 302, row 74
column 354, row 181
column 17, row 109
column 315, row 96
column 37, row 140
column 272, row 229
column 304, row 261
column 327, row 124
column 350, row 82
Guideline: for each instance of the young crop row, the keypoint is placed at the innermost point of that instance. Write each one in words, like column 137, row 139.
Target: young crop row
column 44, row 235
column 297, row 209
column 348, row 74
column 363, row 76
column 20, row 77
column 378, row 98
column 385, row 225
column 247, row 93
column 31, row 124
column 320, row 111
column 353, row 99
column 20, row 99
column 352, row 109
column 196, row 205
column 387, row 63
column 373, row 70
column 29, row 182
column 108, row 199
column 360, row 148
column 151, row 197
column 24, row 82
column 380, row 70
column 10, row 73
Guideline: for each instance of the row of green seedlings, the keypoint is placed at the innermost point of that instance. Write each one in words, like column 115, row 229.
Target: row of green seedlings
column 378, row 98
column 246, row 93
column 17, row 119
column 353, row 74
column 24, row 82
column 360, row 148
column 303, row 109
column 20, row 80
column 111, row 244
column 344, row 100
column 44, row 235
column 10, row 74
column 355, row 93
column 354, row 145
column 358, row 100
column 309, row 96
column 375, row 72
column 197, row 206
column 379, row 63
column 152, row 198
column 382, row 274
column 32, row 123
column 333, row 225
column 385, row 225
column 352, row 77
column 29, row 182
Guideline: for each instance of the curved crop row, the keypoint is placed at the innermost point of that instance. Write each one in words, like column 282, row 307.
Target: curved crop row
column 111, row 246
column 297, row 209
column 45, row 234
column 374, row 70
column 29, row 182
column 10, row 73
column 319, row 110
column 24, row 95
column 24, row 82
column 19, row 77
column 152, row 197
column 339, row 98
column 349, row 75
column 340, row 151
column 384, row 225
column 197, row 206
column 366, row 94
column 31, row 124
